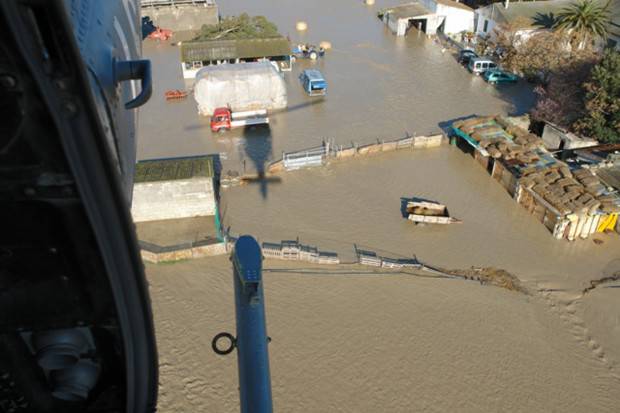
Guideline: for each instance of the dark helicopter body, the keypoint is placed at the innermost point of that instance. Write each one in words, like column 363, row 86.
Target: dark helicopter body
column 76, row 331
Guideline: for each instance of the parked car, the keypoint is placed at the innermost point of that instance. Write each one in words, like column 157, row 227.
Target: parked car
column 496, row 76
column 465, row 55
column 479, row 65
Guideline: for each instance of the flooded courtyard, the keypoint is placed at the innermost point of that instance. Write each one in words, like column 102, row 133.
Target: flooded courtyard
column 380, row 87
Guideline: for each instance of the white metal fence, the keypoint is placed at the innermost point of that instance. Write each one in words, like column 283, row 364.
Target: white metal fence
column 305, row 158
column 147, row 3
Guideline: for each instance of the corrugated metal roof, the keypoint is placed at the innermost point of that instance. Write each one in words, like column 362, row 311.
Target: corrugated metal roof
column 174, row 169
column 234, row 49
column 408, row 11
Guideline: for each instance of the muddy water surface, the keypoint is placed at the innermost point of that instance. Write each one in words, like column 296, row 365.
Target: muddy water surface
column 380, row 87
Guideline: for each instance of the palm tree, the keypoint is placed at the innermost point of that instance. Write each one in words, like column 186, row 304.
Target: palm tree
column 585, row 21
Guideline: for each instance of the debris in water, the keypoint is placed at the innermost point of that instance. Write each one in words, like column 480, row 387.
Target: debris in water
column 598, row 241
column 596, row 283
column 494, row 276
column 325, row 45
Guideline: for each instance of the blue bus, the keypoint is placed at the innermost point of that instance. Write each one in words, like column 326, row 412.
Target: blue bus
column 313, row 82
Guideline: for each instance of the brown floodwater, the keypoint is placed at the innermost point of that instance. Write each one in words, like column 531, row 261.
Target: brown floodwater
column 343, row 339
column 380, row 87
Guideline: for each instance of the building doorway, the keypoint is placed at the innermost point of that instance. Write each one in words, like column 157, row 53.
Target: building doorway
column 419, row 24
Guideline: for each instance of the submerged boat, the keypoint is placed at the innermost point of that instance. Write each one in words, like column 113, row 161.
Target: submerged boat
column 176, row 94
column 424, row 212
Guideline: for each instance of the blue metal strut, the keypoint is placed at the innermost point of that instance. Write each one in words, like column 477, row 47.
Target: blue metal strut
column 251, row 340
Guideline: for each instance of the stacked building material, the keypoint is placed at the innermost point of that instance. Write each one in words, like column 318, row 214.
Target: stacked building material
column 571, row 204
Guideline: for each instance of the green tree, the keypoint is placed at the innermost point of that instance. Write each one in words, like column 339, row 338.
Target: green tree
column 585, row 21
column 602, row 101
column 239, row 27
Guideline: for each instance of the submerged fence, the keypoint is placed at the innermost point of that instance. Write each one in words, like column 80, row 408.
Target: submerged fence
column 306, row 158
column 320, row 155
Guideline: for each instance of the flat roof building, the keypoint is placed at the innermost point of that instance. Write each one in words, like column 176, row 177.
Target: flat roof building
column 430, row 17
column 174, row 188
column 197, row 54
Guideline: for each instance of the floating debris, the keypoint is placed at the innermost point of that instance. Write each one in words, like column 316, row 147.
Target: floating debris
column 176, row 94
column 493, row 276
column 425, row 212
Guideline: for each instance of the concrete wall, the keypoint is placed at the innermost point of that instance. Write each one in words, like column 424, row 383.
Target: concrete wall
column 393, row 24
column 178, row 18
column 220, row 248
column 187, row 198
column 483, row 15
column 340, row 153
column 457, row 20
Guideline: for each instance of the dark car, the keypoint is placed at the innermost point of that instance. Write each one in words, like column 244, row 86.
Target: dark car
column 465, row 56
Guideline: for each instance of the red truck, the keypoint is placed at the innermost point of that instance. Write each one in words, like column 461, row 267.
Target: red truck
column 224, row 119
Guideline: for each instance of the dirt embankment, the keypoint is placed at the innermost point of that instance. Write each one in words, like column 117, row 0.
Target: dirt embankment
column 493, row 276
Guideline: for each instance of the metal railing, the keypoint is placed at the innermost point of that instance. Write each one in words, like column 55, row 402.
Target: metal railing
column 305, row 158
column 162, row 3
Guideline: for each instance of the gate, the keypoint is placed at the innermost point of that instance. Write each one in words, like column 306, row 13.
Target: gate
column 306, row 158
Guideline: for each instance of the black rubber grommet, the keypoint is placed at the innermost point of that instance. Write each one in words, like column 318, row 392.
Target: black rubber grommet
column 228, row 350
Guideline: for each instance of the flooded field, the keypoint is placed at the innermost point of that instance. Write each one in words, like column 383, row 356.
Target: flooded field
column 350, row 340
column 359, row 202
column 380, row 87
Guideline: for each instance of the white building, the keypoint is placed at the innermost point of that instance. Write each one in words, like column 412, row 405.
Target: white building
column 528, row 17
column 430, row 16
column 197, row 54
column 174, row 188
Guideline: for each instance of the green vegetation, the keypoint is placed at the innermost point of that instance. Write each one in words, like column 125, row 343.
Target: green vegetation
column 602, row 101
column 239, row 27
column 584, row 22
column 580, row 87
column 584, row 97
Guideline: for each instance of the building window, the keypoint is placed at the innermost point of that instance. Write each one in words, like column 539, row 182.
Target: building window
column 486, row 26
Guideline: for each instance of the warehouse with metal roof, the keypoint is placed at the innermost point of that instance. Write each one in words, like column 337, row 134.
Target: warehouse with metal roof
column 197, row 54
column 174, row 188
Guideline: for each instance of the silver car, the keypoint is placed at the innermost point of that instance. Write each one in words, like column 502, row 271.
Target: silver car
column 479, row 65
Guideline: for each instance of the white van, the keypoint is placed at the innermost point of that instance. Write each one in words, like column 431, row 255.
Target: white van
column 479, row 65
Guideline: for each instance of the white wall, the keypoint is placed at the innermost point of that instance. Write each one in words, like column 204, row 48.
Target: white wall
column 184, row 198
column 189, row 73
column 457, row 20
column 482, row 17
